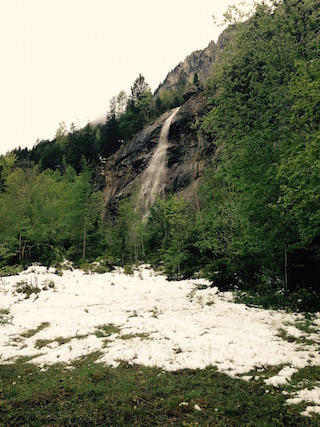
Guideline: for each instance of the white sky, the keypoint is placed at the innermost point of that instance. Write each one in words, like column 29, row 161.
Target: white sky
column 63, row 60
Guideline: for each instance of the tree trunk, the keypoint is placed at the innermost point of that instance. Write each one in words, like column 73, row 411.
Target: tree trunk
column 285, row 269
column 200, row 217
column 84, row 237
column 20, row 248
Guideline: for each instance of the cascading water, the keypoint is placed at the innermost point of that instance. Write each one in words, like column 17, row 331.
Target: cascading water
column 154, row 177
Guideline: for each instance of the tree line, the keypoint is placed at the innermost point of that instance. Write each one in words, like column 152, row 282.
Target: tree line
column 127, row 115
column 255, row 218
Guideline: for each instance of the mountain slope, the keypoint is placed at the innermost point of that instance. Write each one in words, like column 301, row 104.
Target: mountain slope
column 198, row 63
column 188, row 153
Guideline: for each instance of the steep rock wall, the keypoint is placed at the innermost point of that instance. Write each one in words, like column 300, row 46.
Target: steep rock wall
column 187, row 154
column 200, row 62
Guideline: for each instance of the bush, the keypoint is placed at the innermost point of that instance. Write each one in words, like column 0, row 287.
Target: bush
column 23, row 287
column 10, row 270
column 301, row 300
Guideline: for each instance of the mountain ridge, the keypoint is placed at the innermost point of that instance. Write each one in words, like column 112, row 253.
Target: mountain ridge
column 200, row 63
column 189, row 152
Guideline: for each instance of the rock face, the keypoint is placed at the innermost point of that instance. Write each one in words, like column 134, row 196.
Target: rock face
column 199, row 62
column 187, row 154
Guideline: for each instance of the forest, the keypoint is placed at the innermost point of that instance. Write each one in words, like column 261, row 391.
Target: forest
column 253, row 224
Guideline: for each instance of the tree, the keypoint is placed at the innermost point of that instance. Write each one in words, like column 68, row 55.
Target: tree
column 146, row 106
column 139, row 87
column 196, row 79
column 61, row 134
column 168, row 230
column 129, row 124
column 110, row 137
column 130, row 231
column 122, row 100
column 79, row 144
column 32, row 213
column 6, row 165
column 257, row 89
column 299, row 171
column 83, row 217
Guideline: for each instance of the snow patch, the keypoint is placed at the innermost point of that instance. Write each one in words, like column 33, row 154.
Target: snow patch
column 172, row 325
column 306, row 395
column 282, row 377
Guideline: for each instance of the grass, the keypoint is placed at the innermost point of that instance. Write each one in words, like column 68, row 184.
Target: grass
column 23, row 287
column 5, row 317
column 156, row 312
column 31, row 332
column 48, row 284
column 10, row 270
column 60, row 340
column 210, row 303
column 90, row 268
column 141, row 335
column 290, row 338
column 104, row 331
column 307, row 327
column 308, row 377
column 92, row 394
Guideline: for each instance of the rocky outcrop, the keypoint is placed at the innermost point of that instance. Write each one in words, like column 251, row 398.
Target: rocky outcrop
column 188, row 154
column 123, row 169
column 199, row 62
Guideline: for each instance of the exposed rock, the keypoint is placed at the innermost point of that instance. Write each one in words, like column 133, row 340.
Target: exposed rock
column 123, row 168
column 188, row 154
column 199, row 62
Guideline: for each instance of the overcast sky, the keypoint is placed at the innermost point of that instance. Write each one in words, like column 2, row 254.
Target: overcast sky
column 63, row 60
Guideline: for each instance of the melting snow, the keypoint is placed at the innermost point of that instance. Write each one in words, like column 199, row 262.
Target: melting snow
column 307, row 396
column 153, row 322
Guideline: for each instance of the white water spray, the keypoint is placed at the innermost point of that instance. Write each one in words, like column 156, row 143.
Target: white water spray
column 154, row 177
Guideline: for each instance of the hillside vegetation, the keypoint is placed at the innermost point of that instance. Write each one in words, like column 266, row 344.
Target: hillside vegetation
column 254, row 222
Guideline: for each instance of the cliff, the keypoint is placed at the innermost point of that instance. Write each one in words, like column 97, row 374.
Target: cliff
column 187, row 155
column 199, row 62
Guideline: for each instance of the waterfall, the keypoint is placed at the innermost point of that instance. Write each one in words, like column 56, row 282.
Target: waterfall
column 154, row 177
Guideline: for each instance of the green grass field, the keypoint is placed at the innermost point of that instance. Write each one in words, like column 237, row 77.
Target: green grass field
column 91, row 394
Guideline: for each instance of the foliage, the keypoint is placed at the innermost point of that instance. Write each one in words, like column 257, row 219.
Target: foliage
column 168, row 232
column 129, row 124
column 129, row 231
column 126, row 116
column 273, row 297
column 264, row 119
column 108, row 136
column 6, row 164
column 46, row 215
column 28, row 289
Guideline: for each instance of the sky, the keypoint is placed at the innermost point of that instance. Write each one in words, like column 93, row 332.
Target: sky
column 63, row 60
